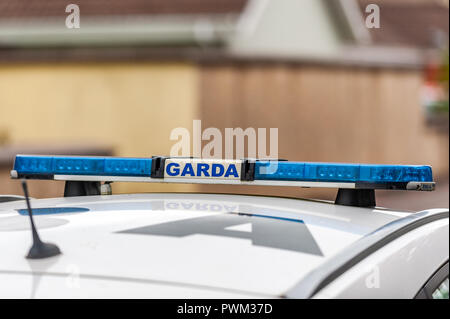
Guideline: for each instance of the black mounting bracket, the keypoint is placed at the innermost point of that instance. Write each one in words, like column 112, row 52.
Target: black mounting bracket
column 81, row 188
column 356, row 197
column 247, row 170
column 158, row 164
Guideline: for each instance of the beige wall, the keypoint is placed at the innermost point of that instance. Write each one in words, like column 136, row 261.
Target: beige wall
column 336, row 114
column 131, row 107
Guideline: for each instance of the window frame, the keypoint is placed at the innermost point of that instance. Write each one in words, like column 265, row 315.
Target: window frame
column 426, row 292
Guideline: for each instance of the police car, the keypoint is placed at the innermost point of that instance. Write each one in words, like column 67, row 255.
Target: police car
column 93, row 244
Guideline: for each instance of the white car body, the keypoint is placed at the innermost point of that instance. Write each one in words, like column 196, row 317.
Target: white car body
column 218, row 246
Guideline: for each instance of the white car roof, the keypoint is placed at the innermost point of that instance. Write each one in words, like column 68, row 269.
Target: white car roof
column 176, row 245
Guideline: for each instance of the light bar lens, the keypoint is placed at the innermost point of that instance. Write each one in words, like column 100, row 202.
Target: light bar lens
column 264, row 170
column 296, row 171
column 64, row 165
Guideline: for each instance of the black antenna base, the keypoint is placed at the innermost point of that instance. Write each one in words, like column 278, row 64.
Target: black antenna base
column 43, row 250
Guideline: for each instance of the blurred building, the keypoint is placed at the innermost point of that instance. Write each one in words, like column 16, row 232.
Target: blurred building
column 134, row 70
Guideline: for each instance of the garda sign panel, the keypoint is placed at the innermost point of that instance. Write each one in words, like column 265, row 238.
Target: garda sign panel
column 186, row 168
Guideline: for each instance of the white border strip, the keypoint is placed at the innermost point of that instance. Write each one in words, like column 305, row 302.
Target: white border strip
column 89, row 178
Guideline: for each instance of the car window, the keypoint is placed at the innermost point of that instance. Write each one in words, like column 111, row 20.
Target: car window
column 441, row 292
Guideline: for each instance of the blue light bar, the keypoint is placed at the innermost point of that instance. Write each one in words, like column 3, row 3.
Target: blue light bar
column 282, row 173
column 73, row 165
column 331, row 172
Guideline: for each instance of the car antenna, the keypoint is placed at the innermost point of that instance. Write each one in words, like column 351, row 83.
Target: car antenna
column 39, row 249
